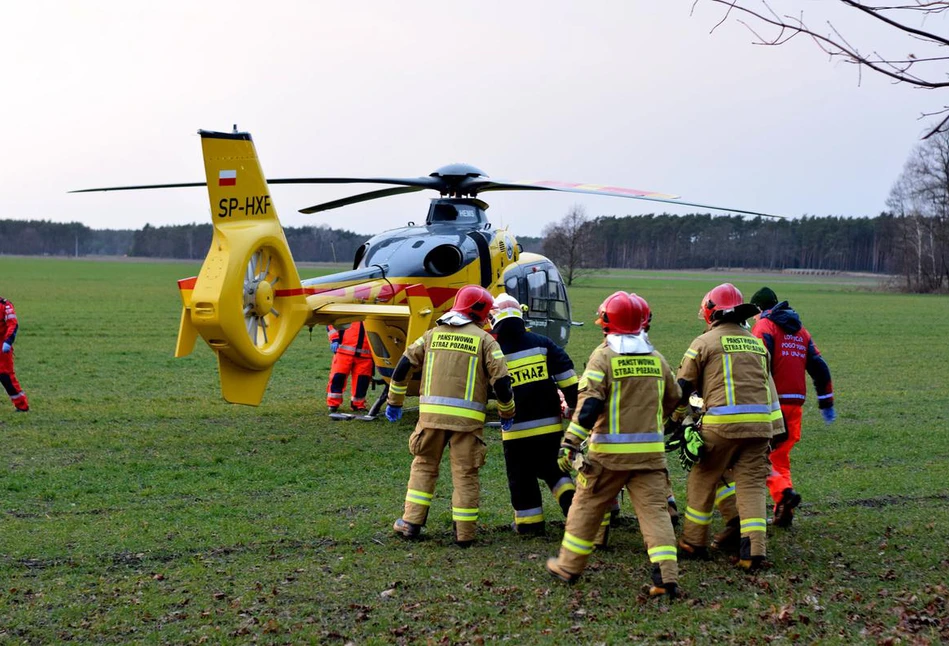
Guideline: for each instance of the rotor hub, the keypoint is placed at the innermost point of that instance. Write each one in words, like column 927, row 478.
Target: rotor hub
column 259, row 297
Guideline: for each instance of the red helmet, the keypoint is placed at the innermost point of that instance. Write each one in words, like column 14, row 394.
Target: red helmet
column 647, row 313
column 724, row 298
column 620, row 313
column 473, row 301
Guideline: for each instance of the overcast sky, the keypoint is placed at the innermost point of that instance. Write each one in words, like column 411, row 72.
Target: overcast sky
column 634, row 93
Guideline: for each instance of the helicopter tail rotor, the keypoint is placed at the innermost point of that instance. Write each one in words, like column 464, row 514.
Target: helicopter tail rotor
column 247, row 302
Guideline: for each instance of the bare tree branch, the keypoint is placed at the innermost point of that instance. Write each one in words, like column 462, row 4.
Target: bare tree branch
column 928, row 71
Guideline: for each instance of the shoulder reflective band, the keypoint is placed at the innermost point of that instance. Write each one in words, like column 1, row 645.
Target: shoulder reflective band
column 690, row 354
column 497, row 354
column 733, row 344
column 641, row 366
column 521, row 354
column 456, row 342
column 627, row 443
column 528, row 370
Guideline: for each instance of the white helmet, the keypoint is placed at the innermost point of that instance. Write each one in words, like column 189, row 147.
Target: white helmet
column 505, row 306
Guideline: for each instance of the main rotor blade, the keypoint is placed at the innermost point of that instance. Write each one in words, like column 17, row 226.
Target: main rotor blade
column 362, row 197
column 420, row 182
column 139, row 188
column 597, row 189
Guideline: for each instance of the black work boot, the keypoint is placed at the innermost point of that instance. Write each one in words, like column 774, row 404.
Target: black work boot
column 746, row 561
column 529, row 529
column 728, row 540
column 332, row 409
column 784, row 510
column 460, row 543
column 660, row 589
column 406, row 529
column 688, row 551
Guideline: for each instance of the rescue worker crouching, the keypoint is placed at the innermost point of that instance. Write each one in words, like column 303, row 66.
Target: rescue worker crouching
column 538, row 368
column 351, row 355
column 625, row 392
column 458, row 360
column 730, row 369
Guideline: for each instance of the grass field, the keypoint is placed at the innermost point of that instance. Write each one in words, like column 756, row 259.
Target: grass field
column 138, row 507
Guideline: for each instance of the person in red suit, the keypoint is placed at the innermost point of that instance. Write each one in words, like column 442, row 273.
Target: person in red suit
column 351, row 355
column 8, row 330
column 793, row 355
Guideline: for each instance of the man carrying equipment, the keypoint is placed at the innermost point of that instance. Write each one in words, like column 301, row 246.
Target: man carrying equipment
column 729, row 368
column 351, row 355
column 538, row 368
column 458, row 360
column 626, row 391
column 8, row 330
column 793, row 354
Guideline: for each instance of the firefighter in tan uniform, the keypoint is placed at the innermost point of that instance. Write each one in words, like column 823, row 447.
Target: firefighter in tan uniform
column 458, row 360
column 729, row 367
column 627, row 390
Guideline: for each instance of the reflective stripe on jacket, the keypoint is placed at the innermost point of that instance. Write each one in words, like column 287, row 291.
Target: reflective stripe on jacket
column 352, row 338
column 538, row 367
column 637, row 391
column 457, row 363
column 730, row 368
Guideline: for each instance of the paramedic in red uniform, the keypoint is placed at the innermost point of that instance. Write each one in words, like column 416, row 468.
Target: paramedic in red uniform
column 8, row 330
column 793, row 354
column 351, row 355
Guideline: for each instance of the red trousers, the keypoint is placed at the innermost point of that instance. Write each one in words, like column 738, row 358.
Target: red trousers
column 343, row 365
column 10, row 384
column 780, row 478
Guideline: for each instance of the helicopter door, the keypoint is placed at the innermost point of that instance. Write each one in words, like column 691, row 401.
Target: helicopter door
column 548, row 311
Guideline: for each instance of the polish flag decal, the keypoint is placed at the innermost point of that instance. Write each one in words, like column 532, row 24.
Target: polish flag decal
column 227, row 178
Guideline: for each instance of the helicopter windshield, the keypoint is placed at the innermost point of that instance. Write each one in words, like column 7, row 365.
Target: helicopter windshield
column 455, row 213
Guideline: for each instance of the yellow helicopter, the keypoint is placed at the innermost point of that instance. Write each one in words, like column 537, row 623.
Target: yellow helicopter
column 248, row 302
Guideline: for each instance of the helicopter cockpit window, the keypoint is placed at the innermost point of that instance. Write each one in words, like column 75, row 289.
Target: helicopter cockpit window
column 537, row 291
column 547, row 296
column 461, row 213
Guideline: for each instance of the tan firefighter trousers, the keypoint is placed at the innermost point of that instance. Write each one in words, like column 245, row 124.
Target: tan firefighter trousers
column 597, row 487
column 748, row 460
column 467, row 452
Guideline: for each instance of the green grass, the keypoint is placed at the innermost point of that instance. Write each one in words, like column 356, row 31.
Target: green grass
column 138, row 507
